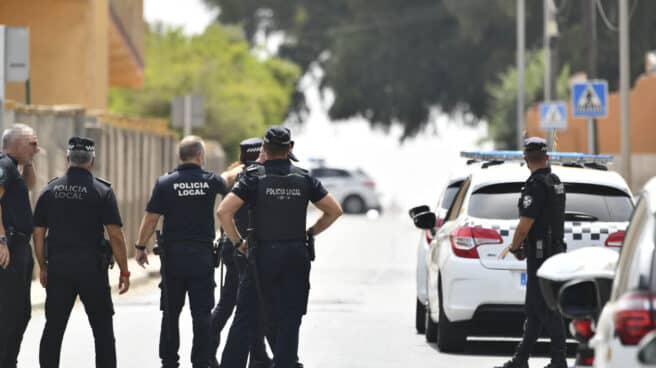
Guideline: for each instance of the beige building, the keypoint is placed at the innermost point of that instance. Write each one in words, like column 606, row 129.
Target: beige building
column 78, row 48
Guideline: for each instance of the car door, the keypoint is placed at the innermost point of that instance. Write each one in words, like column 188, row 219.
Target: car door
column 442, row 243
column 334, row 180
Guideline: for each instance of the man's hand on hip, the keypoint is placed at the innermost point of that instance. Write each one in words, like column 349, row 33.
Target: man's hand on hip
column 4, row 256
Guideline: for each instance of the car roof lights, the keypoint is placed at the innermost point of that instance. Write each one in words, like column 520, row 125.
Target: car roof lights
column 565, row 158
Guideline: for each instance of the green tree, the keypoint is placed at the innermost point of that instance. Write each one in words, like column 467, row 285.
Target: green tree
column 391, row 60
column 503, row 98
column 242, row 93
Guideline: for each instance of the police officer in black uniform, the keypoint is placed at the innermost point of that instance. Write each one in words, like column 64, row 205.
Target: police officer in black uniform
column 186, row 198
column 235, row 263
column 277, row 194
column 19, row 145
column 75, row 210
column 541, row 230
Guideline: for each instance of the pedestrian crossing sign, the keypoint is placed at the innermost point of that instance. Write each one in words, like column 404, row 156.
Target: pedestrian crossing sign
column 590, row 99
column 553, row 115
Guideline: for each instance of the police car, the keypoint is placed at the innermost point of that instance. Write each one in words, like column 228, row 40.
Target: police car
column 473, row 293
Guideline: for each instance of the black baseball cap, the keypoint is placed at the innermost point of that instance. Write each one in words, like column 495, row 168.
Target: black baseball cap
column 535, row 144
column 81, row 144
column 280, row 136
column 250, row 149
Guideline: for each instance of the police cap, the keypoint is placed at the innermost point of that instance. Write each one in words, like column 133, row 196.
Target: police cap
column 281, row 136
column 250, row 149
column 81, row 144
column 535, row 144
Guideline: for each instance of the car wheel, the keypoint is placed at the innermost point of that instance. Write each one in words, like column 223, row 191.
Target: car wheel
column 354, row 204
column 430, row 327
column 420, row 317
column 451, row 336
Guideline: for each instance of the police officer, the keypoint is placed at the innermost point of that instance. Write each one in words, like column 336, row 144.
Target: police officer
column 185, row 197
column 235, row 264
column 75, row 210
column 19, row 145
column 277, row 194
column 540, row 228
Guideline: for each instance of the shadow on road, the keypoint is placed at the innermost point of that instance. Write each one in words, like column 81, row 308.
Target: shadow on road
column 505, row 348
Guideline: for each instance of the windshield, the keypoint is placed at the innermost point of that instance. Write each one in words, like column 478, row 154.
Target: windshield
column 595, row 202
column 450, row 195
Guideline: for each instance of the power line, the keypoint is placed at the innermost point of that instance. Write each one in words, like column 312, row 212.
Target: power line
column 607, row 21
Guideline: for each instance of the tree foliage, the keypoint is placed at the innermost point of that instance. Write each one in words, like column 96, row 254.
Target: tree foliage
column 242, row 94
column 391, row 60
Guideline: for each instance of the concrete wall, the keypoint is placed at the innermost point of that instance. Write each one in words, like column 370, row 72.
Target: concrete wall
column 131, row 153
column 70, row 51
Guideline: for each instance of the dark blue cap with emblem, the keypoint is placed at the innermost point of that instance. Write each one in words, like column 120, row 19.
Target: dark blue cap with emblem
column 250, row 149
column 281, row 136
column 81, row 144
column 535, row 144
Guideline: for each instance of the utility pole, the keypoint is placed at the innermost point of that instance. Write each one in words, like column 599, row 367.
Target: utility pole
column 521, row 71
column 590, row 20
column 625, row 74
column 550, row 59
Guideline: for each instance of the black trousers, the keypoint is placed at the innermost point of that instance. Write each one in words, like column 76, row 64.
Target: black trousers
column 284, row 270
column 15, row 302
column 189, row 271
column 235, row 269
column 539, row 317
column 94, row 292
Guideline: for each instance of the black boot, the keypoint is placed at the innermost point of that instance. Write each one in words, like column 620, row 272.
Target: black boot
column 513, row 363
column 260, row 364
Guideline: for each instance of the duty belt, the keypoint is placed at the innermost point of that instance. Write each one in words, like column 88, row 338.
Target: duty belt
column 17, row 237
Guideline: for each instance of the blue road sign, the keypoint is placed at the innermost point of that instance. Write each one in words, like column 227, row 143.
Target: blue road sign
column 590, row 99
column 553, row 115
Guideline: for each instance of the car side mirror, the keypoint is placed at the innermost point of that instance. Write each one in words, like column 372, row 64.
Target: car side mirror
column 417, row 210
column 579, row 299
column 425, row 220
column 647, row 350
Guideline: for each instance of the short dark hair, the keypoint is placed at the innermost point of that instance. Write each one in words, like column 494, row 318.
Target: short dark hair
column 190, row 147
column 80, row 158
column 275, row 149
column 536, row 157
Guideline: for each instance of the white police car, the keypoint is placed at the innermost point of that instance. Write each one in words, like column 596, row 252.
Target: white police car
column 473, row 293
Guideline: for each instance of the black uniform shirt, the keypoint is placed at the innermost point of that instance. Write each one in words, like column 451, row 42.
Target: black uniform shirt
column 246, row 187
column 74, row 209
column 186, row 198
column 533, row 203
column 16, row 208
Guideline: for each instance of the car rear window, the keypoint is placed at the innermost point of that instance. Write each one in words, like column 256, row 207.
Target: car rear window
column 449, row 195
column 330, row 173
column 499, row 201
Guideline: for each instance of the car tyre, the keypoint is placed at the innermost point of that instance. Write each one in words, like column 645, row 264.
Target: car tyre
column 430, row 327
column 420, row 317
column 354, row 204
column 451, row 336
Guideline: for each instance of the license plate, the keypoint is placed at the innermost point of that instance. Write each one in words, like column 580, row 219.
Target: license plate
column 523, row 278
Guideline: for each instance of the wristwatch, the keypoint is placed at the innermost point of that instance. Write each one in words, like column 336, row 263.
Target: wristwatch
column 140, row 247
column 3, row 239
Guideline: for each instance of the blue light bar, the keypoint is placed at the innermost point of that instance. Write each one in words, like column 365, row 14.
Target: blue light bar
column 556, row 157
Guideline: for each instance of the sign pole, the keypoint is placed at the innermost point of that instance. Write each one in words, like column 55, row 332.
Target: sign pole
column 2, row 78
column 625, row 117
column 187, row 115
column 591, row 137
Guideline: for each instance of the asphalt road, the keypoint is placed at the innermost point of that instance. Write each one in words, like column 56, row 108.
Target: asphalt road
column 361, row 311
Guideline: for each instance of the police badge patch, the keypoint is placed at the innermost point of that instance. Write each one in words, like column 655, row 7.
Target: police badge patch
column 527, row 201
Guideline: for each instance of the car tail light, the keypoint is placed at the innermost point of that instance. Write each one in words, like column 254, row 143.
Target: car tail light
column 583, row 328
column 465, row 240
column 615, row 240
column 369, row 184
column 585, row 361
column 633, row 318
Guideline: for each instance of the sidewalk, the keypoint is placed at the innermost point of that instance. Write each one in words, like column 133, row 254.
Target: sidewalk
column 138, row 276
